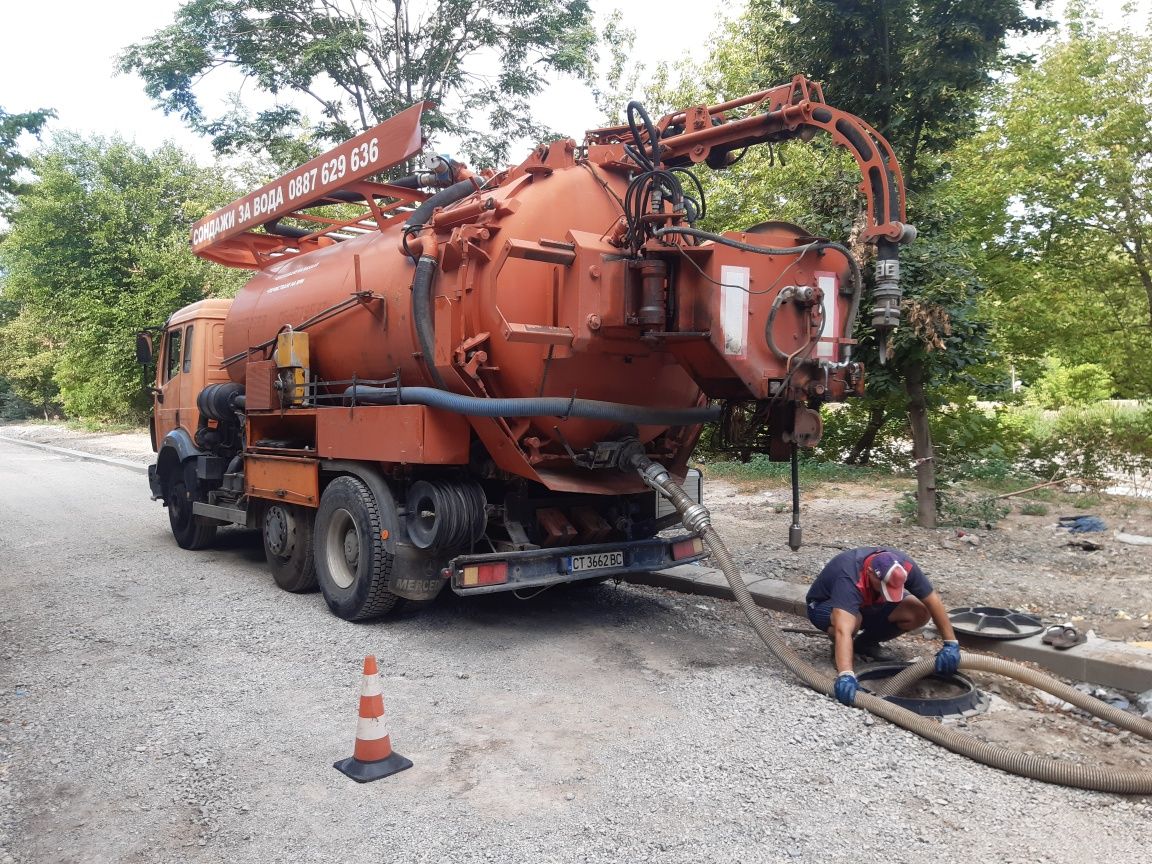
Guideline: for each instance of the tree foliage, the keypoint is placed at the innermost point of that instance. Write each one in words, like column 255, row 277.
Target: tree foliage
column 12, row 127
column 914, row 69
column 358, row 62
column 98, row 249
column 1059, row 189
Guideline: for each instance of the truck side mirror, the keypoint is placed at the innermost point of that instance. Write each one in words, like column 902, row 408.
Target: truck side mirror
column 143, row 348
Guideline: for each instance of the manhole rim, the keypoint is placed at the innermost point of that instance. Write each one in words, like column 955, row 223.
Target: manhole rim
column 971, row 701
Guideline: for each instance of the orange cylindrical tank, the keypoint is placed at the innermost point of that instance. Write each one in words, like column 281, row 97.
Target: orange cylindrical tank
column 515, row 305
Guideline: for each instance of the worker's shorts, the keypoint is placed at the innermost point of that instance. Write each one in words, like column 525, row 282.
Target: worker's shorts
column 875, row 618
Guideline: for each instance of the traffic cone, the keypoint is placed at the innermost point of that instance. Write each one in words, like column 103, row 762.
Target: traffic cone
column 372, row 757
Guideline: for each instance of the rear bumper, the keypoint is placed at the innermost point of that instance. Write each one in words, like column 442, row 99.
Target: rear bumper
column 539, row 568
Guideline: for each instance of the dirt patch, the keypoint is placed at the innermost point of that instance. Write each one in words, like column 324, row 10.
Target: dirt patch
column 1023, row 562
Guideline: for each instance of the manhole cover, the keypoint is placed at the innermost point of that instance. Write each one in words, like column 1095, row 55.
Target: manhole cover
column 933, row 695
column 991, row 622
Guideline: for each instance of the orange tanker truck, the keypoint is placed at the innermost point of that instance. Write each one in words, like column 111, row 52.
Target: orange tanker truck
column 449, row 379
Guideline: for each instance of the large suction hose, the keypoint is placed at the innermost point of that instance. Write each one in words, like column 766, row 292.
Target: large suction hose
column 422, row 315
column 443, row 198
column 696, row 518
column 540, row 406
column 426, row 272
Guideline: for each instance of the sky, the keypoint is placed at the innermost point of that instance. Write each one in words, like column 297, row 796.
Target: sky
column 64, row 60
column 73, row 71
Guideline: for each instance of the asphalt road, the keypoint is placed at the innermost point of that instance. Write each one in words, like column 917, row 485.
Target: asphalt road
column 158, row 705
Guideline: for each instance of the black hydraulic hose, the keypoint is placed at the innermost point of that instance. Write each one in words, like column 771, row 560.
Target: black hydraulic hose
column 652, row 157
column 443, row 198
column 738, row 244
column 1123, row 781
column 539, row 406
column 770, row 329
column 422, row 314
column 274, row 227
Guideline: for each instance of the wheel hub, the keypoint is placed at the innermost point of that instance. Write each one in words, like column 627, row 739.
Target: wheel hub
column 352, row 549
column 279, row 531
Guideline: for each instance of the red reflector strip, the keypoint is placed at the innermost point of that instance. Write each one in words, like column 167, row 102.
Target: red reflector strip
column 485, row 574
column 687, row 548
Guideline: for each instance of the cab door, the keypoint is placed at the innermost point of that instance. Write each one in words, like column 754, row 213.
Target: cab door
column 173, row 383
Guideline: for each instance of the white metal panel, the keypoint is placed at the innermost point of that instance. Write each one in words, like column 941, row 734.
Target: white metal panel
column 734, row 309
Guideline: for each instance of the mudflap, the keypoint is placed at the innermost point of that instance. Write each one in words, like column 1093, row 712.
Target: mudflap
column 416, row 575
column 154, row 484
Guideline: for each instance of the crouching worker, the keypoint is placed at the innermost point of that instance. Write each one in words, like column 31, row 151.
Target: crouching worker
column 882, row 593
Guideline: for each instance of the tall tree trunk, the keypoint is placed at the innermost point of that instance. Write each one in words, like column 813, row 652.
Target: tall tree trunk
column 921, row 447
column 861, row 453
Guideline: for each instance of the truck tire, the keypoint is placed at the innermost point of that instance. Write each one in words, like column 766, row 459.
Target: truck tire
column 191, row 531
column 352, row 563
column 288, row 531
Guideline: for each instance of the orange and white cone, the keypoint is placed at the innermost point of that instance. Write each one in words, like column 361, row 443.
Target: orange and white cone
column 372, row 758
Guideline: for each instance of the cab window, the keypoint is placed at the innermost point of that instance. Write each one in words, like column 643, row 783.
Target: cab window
column 188, row 348
column 172, row 355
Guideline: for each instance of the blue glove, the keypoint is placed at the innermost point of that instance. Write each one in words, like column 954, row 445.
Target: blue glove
column 846, row 688
column 948, row 658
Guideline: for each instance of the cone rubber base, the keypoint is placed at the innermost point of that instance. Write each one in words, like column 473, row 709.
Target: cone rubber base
column 366, row 772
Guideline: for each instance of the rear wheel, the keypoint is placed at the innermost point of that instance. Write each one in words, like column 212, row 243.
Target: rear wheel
column 352, row 562
column 287, row 531
column 191, row 531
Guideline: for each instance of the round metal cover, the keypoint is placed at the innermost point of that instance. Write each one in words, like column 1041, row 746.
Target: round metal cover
column 932, row 696
column 991, row 622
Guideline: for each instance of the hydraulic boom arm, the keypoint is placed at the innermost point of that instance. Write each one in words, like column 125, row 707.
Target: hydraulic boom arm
column 710, row 134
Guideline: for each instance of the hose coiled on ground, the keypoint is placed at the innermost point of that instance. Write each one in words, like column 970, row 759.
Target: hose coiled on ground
column 1128, row 782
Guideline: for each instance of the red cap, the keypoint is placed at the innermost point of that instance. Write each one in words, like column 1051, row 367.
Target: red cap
column 891, row 573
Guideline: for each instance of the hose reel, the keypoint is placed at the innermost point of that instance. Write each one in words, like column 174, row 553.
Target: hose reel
column 446, row 514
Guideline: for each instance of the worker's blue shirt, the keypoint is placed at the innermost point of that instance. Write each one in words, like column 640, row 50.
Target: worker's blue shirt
column 841, row 581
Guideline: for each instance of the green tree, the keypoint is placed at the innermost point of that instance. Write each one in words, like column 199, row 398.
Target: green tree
column 98, row 248
column 12, row 127
column 359, row 62
column 914, row 69
column 1060, row 198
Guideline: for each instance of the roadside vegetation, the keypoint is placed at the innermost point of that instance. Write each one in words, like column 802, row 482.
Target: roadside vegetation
column 1026, row 145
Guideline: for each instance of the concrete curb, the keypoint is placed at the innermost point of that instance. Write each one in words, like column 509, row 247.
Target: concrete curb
column 78, row 454
column 1098, row 661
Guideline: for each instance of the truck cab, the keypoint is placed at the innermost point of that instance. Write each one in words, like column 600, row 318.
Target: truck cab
column 189, row 357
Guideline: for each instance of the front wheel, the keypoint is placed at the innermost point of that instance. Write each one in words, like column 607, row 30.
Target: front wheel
column 352, row 562
column 287, row 531
column 191, row 531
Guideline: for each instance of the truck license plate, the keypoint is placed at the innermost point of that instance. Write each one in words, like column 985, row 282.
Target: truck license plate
column 599, row 561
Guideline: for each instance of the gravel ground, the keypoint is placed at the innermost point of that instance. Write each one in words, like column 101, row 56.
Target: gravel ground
column 165, row 706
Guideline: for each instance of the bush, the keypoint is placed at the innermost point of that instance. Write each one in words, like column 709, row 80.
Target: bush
column 959, row 509
column 1095, row 443
column 844, row 424
column 1060, row 386
column 12, row 407
column 975, row 443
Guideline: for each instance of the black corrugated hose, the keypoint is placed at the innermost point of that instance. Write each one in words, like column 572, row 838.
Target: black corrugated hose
column 538, row 406
column 1132, row 782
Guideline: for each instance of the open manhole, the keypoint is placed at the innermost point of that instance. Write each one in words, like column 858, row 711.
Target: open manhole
column 933, row 695
column 992, row 622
